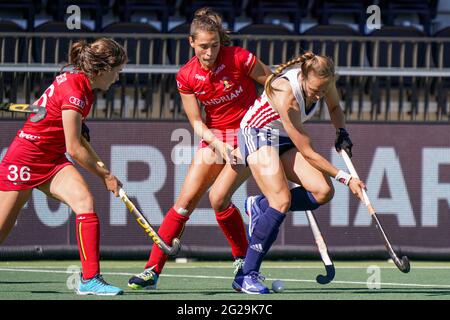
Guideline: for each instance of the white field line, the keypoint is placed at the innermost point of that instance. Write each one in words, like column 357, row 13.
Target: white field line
column 267, row 266
column 230, row 278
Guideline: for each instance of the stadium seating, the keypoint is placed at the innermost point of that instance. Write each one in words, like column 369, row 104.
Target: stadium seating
column 343, row 52
column 404, row 54
column 6, row 43
column 9, row 80
column 52, row 50
column 142, row 51
column 162, row 8
column 441, row 58
column 425, row 9
column 27, row 8
column 229, row 9
column 96, row 9
column 294, row 9
column 270, row 52
column 324, row 9
column 179, row 51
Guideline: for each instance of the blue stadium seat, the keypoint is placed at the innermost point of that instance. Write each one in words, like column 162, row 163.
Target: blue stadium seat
column 12, row 50
column 228, row 9
column 27, row 8
column 52, row 50
column 44, row 51
column 324, row 9
column 425, row 9
column 96, row 8
column 404, row 54
column 295, row 10
column 344, row 54
column 180, row 51
column 163, row 9
column 140, row 51
column 441, row 58
column 270, row 52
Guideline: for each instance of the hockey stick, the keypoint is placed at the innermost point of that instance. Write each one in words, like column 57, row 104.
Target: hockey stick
column 39, row 112
column 403, row 263
column 141, row 220
column 320, row 242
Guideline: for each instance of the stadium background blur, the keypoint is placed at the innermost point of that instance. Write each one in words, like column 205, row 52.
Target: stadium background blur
column 394, row 86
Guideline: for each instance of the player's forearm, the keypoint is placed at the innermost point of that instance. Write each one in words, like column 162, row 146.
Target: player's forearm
column 337, row 117
column 204, row 132
column 301, row 141
column 88, row 159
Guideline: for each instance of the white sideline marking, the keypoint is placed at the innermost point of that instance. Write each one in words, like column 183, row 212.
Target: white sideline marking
column 268, row 266
column 230, row 278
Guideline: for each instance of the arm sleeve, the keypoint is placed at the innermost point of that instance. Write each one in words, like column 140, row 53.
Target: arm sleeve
column 245, row 60
column 74, row 100
column 183, row 84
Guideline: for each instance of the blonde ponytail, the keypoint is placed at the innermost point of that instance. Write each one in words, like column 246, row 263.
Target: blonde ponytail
column 322, row 66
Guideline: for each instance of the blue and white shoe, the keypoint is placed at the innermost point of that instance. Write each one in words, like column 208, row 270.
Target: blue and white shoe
column 250, row 283
column 253, row 211
column 148, row 280
column 97, row 286
column 238, row 264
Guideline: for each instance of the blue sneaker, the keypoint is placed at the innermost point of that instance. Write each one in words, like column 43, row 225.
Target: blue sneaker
column 251, row 284
column 97, row 286
column 253, row 211
column 145, row 280
column 239, row 275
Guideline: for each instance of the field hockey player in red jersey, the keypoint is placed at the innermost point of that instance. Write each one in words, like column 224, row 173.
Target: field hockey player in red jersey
column 276, row 147
column 36, row 157
column 221, row 79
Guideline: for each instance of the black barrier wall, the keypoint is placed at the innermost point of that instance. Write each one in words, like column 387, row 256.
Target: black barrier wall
column 406, row 168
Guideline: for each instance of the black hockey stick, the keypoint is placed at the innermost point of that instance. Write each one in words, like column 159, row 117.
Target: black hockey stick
column 403, row 263
column 321, row 245
column 38, row 111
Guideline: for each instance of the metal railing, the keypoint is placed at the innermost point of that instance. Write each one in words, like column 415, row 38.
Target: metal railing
column 380, row 78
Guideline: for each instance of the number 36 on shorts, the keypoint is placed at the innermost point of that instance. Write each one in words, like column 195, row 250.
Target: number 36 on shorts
column 19, row 173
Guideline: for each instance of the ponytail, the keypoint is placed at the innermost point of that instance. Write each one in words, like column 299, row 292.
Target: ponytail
column 322, row 66
column 103, row 54
column 205, row 19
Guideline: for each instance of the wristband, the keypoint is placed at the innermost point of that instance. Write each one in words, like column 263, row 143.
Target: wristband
column 343, row 177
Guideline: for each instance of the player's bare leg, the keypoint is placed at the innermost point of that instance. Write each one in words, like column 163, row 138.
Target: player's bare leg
column 226, row 184
column 69, row 186
column 227, row 214
column 315, row 187
column 11, row 202
column 206, row 166
column 301, row 172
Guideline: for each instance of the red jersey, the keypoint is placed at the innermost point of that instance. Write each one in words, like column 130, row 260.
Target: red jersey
column 227, row 91
column 38, row 150
column 68, row 91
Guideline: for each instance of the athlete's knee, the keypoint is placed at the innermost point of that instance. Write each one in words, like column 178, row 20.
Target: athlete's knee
column 281, row 202
column 82, row 201
column 324, row 193
column 219, row 201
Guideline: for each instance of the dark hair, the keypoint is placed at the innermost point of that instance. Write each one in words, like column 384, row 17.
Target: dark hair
column 205, row 19
column 321, row 66
column 103, row 54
